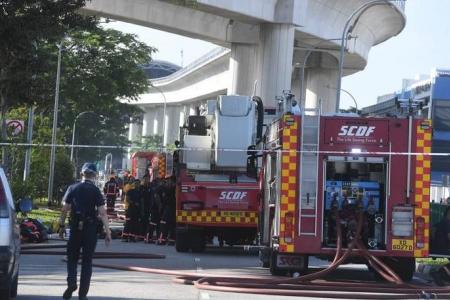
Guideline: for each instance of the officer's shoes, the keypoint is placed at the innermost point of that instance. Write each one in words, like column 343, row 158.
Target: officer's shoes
column 68, row 292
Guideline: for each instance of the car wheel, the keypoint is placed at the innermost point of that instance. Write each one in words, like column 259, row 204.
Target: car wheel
column 14, row 286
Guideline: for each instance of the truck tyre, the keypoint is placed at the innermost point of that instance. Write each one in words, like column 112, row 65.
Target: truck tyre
column 274, row 270
column 182, row 241
column 404, row 267
column 198, row 242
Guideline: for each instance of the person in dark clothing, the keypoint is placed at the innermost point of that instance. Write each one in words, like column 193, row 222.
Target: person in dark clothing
column 86, row 205
column 168, row 216
column 145, row 193
column 155, row 211
column 442, row 234
column 111, row 191
column 133, row 213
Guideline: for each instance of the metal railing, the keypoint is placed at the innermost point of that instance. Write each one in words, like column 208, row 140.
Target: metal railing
column 209, row 56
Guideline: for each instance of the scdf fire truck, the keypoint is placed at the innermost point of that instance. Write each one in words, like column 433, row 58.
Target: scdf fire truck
column 217, row 188
column 317, row 168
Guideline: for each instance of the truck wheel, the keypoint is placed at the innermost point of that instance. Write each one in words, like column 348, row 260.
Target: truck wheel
column 198, row 242
column 274, row 270
column 404, row 267
column 264, row 257
column 182, row 242
column 14, row 285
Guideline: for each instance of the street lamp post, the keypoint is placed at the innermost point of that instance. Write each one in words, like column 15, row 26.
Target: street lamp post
column 358, row 12
column 73, row 131
column 55, row 126
column 348, row 93
column 303, row 67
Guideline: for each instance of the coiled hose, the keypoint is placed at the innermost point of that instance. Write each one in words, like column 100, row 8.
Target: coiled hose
column 308, row 285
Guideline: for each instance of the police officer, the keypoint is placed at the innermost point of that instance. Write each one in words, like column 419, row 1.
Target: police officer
column 86, row 205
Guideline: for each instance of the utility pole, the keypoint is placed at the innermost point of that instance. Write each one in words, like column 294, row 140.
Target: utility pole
column 55, row 126
column 26, row 169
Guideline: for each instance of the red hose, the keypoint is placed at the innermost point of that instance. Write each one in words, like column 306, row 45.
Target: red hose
column 305, row 286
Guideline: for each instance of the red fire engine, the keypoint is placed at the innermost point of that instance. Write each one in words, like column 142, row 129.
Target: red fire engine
column 319, row 168
column 217, row 188
column 154, row 164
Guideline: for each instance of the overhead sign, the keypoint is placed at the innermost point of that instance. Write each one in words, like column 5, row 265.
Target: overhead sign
column 15, row 127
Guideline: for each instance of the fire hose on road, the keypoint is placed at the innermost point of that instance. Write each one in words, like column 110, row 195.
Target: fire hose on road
column 308, row 285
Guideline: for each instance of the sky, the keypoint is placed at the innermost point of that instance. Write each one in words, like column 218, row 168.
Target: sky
column 423, row 45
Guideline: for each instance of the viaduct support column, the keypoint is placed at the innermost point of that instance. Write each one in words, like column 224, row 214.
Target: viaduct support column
column 320, row 82
column 275, row 61
column 269, row 62
column 243, row 69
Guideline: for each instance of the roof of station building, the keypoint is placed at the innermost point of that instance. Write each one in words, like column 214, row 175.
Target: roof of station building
column 160, row 68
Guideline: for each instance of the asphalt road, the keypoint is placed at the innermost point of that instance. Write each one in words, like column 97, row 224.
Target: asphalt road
column 43, row 277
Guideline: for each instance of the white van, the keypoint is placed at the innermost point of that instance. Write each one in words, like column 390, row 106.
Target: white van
column 9, row 242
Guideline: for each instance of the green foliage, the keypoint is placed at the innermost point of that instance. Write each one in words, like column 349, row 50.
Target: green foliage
column 150, row 143
column 23, row 25
column 99, row 67
column 36, row 186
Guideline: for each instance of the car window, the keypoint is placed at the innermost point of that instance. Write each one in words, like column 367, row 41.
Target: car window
column 4, row 207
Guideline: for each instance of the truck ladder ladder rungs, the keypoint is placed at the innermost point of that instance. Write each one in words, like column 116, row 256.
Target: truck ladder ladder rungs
column 308, row 169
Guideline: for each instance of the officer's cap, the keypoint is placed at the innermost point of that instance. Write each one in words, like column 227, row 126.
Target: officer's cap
column 89, row 168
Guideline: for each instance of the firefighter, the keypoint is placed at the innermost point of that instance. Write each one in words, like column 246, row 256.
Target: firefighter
column 132, row 213
column 168, row 218
column 155, row 211
column 145, row 196
column 111, row 191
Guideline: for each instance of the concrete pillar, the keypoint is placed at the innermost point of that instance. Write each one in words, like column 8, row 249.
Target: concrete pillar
column 320, row 86
column 269, row 62
column 275, row 61
column 173, row 128
column 243, row 70
column 147, row 122
column 135, row 131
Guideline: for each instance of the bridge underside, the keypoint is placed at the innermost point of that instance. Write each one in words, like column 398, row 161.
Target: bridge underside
column 266, row 44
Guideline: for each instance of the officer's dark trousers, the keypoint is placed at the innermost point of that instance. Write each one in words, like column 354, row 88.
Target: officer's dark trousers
column 86, row 241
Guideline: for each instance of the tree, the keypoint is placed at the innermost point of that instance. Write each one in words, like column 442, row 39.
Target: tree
column 24, row 24
column 102, row 74
column 36, row 185
column 99, row 68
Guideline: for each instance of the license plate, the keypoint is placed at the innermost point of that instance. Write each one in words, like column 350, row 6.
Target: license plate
column 290, row 262
column 402, row 245
column 232, row 214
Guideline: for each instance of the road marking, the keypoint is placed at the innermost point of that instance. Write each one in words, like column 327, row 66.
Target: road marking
column 204, row 295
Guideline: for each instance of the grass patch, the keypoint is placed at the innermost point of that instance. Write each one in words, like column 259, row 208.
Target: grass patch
column 47, row 216
column 431, row 261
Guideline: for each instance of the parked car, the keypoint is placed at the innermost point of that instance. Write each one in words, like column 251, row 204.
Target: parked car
column 9, row 242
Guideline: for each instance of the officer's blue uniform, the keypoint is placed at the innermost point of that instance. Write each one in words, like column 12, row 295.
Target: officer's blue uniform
column 84, row 198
